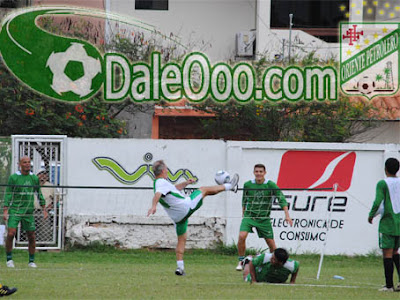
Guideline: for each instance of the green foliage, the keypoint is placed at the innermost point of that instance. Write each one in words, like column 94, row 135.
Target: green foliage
column 306, row 121
column 25, row 112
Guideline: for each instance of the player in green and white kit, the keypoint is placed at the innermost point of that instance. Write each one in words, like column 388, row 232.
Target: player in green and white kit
column 387, row 203
column 180, row 207
column 19, row 207
column 271, row 267
column 258, row 196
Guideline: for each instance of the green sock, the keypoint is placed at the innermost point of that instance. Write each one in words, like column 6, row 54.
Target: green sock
column 9, row 256
column 31, row 258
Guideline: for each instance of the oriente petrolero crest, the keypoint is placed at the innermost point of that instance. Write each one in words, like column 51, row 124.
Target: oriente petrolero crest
column 369, row 59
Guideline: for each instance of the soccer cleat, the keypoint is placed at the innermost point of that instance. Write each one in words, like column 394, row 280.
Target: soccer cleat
column 180, row 272
column 234, row 182
column 239, row 267
column 385, row 289
column 32, row 265
column 6, row 291
column 10, row 264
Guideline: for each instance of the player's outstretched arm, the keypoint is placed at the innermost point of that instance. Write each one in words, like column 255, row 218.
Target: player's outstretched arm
column 252, row 272
column 294, row 276
column 182, row 185
column 153, row 207
column 287, row 216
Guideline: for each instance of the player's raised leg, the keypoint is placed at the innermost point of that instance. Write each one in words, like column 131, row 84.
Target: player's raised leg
column 232, row 185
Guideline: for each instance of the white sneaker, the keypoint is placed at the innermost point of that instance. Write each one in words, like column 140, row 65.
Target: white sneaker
column 32, row 265
column 180, row 272
column 385, row 289
column 10, row 264
column 239, row 267
column 234, row 182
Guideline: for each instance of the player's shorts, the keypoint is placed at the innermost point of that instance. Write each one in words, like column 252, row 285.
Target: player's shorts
column 27, row 222
column 196, row 202
column 387, row 241
column 263, row 226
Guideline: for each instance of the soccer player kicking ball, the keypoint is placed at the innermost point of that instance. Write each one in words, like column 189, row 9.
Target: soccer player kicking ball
column 387, row 202
column 179, row 207
column 271, row 267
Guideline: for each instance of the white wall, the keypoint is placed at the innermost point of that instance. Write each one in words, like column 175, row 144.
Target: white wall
column 199, row 22
column 203, row 158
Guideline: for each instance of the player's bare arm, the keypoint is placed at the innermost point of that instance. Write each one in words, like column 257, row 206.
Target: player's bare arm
column 252, row 272
column 287, row 216
column 5, row 213
column 294, row 276
column 153, row 208
column 182, row 185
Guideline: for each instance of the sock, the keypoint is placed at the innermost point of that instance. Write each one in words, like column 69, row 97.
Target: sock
column 241, row 258
column 388, row 266
column 227, row 186
column 9, row 256
column 31, row 258
column 396, row 260
column 180, row 264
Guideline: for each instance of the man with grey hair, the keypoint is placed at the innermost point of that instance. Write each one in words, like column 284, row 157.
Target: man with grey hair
column 180, row 207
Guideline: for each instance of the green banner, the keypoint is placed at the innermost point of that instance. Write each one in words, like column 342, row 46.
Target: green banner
column 369, row 56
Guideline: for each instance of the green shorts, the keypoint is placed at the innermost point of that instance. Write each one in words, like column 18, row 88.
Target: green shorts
column 27, row 222
column 263, row 226
column 387, row 241
column 197, row 201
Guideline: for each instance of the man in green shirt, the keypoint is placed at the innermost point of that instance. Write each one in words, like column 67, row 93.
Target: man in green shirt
column 271, row 267
column 387, row 203
column 19, row 207
column 258, row 197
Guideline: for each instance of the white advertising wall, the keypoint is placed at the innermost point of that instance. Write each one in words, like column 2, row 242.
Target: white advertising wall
column 356, row 168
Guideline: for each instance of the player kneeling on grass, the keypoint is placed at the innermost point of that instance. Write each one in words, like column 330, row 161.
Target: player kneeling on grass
column 271, row 267
column 179, row 207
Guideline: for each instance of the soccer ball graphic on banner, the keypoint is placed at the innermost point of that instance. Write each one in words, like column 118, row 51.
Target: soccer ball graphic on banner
column 222, row 177
column 73, row 70
column 366, row 85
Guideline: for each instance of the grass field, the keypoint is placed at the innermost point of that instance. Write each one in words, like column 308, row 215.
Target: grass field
column 142, row 274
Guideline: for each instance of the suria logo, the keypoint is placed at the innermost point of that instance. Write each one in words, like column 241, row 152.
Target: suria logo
column 316, row 169
column 120, row 173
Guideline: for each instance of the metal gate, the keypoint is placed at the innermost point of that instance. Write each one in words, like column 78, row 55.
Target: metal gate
column 47, row 158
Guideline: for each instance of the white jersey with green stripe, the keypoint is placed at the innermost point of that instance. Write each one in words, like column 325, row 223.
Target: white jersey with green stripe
column 175, row 203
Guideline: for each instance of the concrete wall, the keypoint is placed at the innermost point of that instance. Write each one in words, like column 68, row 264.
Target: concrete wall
column 208, row 26
column 117, row 216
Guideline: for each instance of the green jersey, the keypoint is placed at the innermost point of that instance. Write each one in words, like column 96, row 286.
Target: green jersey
column 387, row 203
column 267, row 272
column 258, row 203
column 20, row 199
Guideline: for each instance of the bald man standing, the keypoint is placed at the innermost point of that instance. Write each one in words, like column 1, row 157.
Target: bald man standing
column 19, row 207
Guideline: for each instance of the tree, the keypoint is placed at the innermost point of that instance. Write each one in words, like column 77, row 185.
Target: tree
column 306, row 121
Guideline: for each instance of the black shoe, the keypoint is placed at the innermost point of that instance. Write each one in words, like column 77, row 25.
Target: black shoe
column 6, row 291
column 180, row 272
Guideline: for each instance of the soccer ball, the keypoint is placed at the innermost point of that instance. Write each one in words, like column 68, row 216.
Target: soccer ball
column 366, row 85
column 60, row 62
column 222, row 177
